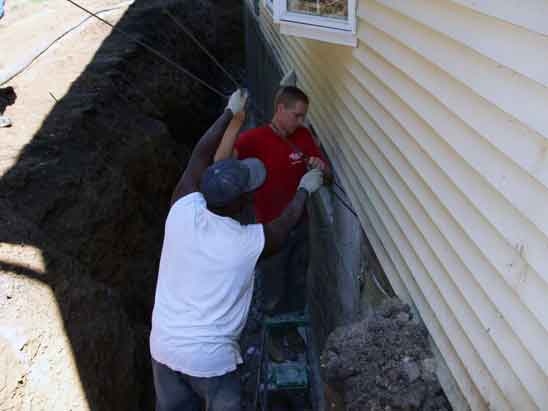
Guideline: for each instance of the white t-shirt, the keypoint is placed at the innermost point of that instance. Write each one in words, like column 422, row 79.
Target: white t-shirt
column 204, row 289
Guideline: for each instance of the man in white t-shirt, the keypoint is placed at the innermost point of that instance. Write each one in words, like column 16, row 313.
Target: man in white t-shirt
column 205, row 279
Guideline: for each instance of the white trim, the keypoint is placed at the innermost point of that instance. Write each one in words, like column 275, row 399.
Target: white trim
column 281, row 13
column 316, row 21
column 329, row 35
column 269, row 6
column 279, row 6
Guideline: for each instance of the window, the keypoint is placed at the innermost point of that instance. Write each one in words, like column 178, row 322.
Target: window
column 327, row 20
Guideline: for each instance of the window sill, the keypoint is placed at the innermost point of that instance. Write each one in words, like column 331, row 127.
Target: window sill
column 345, row 38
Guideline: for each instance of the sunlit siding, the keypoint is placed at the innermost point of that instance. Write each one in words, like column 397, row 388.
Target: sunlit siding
column 437, row 125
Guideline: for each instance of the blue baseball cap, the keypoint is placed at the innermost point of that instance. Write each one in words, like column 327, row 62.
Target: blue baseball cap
column 226, row 180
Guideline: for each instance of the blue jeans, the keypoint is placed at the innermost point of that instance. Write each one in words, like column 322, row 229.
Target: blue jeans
column 176, row 391
column 2, row 8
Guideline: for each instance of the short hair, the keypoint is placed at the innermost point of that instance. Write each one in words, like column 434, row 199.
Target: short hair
column 289, row 96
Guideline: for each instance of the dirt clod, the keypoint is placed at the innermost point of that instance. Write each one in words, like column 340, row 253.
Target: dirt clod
column 383, row 362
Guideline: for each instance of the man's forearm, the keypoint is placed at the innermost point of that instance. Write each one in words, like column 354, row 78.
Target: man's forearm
column 276, row 232
column 207, row 145
column 229, row 138
column 293, row 211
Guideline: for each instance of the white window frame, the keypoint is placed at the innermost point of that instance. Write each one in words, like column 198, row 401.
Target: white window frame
column 327, row 29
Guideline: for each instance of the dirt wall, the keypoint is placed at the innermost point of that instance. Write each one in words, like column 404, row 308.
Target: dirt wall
column 83, row 208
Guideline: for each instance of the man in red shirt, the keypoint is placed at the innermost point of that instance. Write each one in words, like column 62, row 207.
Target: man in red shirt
column 287, row 150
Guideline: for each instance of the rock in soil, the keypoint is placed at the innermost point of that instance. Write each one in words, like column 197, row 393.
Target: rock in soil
column 383, row 362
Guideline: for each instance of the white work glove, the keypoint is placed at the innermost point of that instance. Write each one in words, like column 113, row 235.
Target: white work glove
column 237, row 100
column 311, row 181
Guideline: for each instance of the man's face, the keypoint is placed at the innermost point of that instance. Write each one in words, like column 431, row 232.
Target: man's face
column 290, row 118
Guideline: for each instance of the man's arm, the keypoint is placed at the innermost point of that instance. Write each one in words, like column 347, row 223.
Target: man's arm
column 226, row 148
column 277, row 231
column 201, row 157
column 203, row 152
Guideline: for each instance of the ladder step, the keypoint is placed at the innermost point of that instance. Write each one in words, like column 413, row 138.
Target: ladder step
column 283, row 320
column 287, row 376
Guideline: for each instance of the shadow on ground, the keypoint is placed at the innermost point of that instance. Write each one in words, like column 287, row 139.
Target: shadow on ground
column 91, row 193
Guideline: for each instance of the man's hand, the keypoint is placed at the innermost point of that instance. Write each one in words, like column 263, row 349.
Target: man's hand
column 237, row 101
column 311, row 181
column 316, row 163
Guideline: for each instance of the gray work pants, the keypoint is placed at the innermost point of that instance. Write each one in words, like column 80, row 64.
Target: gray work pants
column 176, row 391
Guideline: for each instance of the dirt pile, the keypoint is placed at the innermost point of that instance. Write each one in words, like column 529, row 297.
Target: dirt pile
column 383, row 363
column 82, row 210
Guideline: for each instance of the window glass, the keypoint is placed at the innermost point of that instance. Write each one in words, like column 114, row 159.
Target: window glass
column 325, row 8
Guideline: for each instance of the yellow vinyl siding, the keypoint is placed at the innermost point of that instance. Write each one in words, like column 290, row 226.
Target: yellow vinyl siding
column 436, row 126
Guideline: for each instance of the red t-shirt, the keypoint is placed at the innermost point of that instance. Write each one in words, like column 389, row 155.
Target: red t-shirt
column 285, row 166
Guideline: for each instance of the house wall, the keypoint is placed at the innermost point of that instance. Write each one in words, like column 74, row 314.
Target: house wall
column 435, row 125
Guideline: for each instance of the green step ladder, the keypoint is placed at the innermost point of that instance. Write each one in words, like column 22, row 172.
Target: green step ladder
column 286, row 376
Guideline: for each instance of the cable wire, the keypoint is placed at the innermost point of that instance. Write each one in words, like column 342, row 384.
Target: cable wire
column 344, row 203
column 154, row 51
column 202, row 47
column 4, row 78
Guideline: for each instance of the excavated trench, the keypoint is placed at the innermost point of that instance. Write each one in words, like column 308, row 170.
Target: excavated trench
column 92, row 191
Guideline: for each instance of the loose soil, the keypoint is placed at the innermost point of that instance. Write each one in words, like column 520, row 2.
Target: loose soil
column 383, row 362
